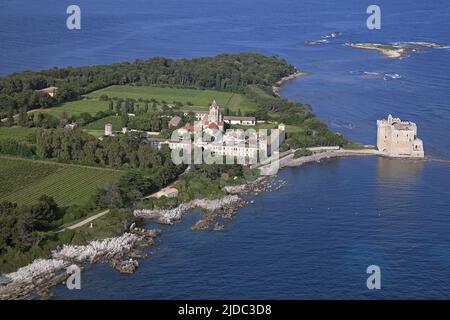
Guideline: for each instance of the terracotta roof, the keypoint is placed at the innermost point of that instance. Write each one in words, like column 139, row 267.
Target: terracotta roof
column 174, row 121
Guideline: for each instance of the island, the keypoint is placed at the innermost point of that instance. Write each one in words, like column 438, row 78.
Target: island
column 87, row 154
column 397, row 50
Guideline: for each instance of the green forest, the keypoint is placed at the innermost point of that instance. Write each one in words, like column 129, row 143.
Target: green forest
column 228, row 72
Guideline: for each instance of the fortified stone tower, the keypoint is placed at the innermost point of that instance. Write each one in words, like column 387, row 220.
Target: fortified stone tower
column 398, row 138
column 383, row 132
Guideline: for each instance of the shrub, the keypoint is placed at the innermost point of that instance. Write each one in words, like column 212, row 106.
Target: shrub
column 302, row 153
column 13, row 147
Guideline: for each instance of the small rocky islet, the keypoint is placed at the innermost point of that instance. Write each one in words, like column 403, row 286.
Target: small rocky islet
column 398, row 50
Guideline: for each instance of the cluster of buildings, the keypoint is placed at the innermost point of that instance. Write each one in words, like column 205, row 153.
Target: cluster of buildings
column 397, row 138
column 207, row 122
column 210, row 128
column 208, row 133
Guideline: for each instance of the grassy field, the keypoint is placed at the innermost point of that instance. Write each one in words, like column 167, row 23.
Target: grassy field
column 77, row 107
column 24, row 181
column 17, row 133
column 100, row 124
column 95, row 133
column 199, row 98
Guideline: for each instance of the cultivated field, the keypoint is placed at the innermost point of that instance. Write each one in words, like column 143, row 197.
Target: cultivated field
column 17, row 133
column 24, row 181
column 199, row 98
column 77, row 107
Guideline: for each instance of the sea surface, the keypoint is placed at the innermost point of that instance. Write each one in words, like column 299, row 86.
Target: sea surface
column 315, row 237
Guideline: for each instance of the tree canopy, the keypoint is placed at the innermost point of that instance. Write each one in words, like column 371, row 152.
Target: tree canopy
column 230, row 72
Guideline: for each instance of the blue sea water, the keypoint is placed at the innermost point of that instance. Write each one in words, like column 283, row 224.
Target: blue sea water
column 315, row 237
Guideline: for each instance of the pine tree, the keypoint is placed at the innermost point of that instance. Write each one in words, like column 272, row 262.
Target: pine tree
column 63, row 118
column 124, row 107
column 23, row 116
column 124, row 120
column 118, row 106
column 10, row 118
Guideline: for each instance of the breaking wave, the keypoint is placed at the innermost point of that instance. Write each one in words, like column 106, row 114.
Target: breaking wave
column 377, row 75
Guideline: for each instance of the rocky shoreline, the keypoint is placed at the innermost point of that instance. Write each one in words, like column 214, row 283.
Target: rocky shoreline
column 277, row 87
column 215, row 211
column 256, row 185
column 34, row 280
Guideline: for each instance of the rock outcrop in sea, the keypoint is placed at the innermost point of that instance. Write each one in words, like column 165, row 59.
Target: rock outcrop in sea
column 170, row 216
column 215, row 211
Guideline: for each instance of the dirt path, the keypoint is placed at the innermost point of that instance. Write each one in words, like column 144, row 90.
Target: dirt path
column 85, row 221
